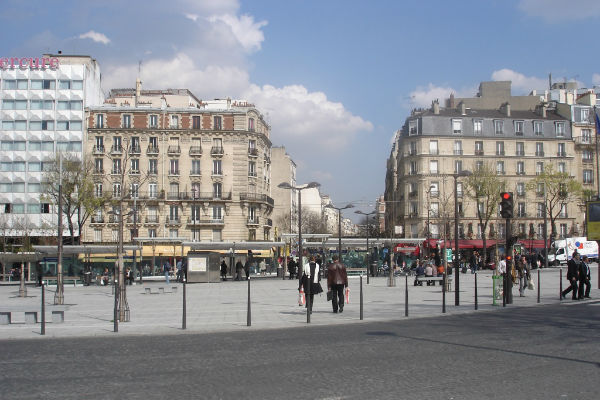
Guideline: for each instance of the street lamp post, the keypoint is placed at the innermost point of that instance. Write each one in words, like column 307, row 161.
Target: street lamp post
column 456, row 259
column 339, row 209
column 310, row 185
column 368, row 226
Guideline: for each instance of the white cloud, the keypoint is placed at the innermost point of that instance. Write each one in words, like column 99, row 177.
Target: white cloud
column 95, row 36
column 596, row 79
column 560, row 10
column 298, row 115
column 423, row 96
column 193, row 17
column 521, row 84
column 180, row 72
column 247, row 32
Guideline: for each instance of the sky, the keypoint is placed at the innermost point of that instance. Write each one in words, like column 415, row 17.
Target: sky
column 335, row 79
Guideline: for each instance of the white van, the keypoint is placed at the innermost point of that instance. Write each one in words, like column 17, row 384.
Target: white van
column 562, row 250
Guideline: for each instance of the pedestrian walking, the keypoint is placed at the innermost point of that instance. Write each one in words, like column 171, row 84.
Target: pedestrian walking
column 572, row 276
column 129, row 276
column 311, row 276
column 223, row 270
column 179, row 266
column 166, row 270
column 337, row 280
column 584, row 278
column 238, row 270
column 523, row 274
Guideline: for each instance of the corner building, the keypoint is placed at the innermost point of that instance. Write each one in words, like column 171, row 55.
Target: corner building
column 196, row 170
column 437, row 143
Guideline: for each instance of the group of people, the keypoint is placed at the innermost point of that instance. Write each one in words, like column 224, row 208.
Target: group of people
column 578, row 275
column 428, row 268
column 337, row 281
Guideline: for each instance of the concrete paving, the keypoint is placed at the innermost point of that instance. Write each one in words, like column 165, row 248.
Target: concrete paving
column 220, row 307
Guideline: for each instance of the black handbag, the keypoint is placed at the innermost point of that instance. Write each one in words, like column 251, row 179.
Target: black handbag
column 329, row 295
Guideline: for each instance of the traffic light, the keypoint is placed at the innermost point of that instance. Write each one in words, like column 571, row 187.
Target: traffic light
column 506, row 204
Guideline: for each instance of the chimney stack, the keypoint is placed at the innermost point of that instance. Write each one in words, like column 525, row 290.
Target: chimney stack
column 435, row 106
column 463, row 109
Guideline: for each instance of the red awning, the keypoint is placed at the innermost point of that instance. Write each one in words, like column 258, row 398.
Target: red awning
column 533, row 243
column 407, row 248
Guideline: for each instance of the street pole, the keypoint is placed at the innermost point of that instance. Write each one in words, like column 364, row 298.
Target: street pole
column 59, row 295
column 456, row 259
column 136, row 234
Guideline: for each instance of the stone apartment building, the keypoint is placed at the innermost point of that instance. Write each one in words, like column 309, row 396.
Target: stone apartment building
column 436, row 144
column 183, row 167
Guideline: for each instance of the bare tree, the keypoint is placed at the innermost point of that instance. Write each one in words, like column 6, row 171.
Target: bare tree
column 558, row 189
column 76, row 178
column 484, row 186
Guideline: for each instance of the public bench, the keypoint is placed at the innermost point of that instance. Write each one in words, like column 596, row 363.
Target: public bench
column 161, row 290
column 31, row 317
column 51, row 280
column 432, row 279
column 356, row 271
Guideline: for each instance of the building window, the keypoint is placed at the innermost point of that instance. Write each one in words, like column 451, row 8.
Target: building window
column 114, row 234
column 97, row 190
column 216, row 235
column 521, row 210
column 126, row 121
column 478, row 165
column 560, row 129
column 500, row 167
column 477, row 126
column 174, row 122
column 173, row 190
column 134, row 189
column 563, row 230
column 252, row 168
column 586, row 136
column 173, row 233
column 457, row 166
column 217, row 168
column 173, row 213
column 433, row 167
column 116, row 168
column 217, row 125
column 538, row 128
column 100, row 121
column 519, row 128
column 562, row 168
column 499, row 148
column 152, row 232
column 173, row 167
column 479, row 148
column 152, row 190
column 97, row 235
column 520, row 168
column 217, row 213
column 413, row 127
column 153, row 121
column 195, row 167
column 217, row 190
column 251, row 126
column 99, row 165
column 520, row 189
column 540, row 210
column 498, row 127
column 413, row 168
column 196, row 122
column 539, row 149
column 433, row 147
column 588, row 176
column 135, row 166
column 458, row 150
column 520, row 151
column 562, row 150
column 457, row 126
column 116, row 147
column 563, row 211
column 539, row 168
column 412, row 149
column 587, row 156
column 116, row 190
column 153, row 166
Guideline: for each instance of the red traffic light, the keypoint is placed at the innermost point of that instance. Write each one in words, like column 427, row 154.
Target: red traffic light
column 506, row 195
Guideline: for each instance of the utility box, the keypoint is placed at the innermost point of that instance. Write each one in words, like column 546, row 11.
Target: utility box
column 203, row 267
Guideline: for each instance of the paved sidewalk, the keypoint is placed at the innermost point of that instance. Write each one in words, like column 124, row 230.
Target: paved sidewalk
column 217, row 307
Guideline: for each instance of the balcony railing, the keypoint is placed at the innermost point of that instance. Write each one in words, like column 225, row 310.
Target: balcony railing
column 173, row 220
column 539, row 154
column 195, row 150
column 174, row 150
column 458, row 152
column 97, row 220
column 479, row 152
column 252, row 220
column 135, row 150
column 152, row 219
column 520, row 153
column 98, row 150
column 561, row 154
column 253, row 151
column 152, row 150
column 206, row 221
column 257, row 197
column 217, row 151
column 116, row 149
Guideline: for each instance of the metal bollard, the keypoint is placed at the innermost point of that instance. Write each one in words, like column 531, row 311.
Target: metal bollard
column 504, row 277
column 539, row 282
column 560, row 285
column 43, row 331
column 361, row 297
column 444, row 293
column 249, row 314
column 183, row 321
column 476, row 290
column 116, row 312
column 406, row 296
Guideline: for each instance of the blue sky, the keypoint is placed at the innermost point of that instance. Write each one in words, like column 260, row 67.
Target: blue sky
column 335, row 78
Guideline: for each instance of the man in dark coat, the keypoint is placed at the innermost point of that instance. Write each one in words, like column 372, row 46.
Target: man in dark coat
column 572, row 276
column 337, row 280
column 584, row 278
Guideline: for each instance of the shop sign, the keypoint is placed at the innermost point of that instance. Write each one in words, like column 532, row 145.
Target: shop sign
column 29, row 63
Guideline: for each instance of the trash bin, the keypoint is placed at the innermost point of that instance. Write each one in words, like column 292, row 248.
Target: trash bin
column 497, row 289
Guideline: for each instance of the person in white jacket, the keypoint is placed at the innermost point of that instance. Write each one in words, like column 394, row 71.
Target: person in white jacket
column 310, row 273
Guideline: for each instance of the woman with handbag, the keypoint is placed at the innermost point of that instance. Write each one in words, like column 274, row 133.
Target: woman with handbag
column 310, row 274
